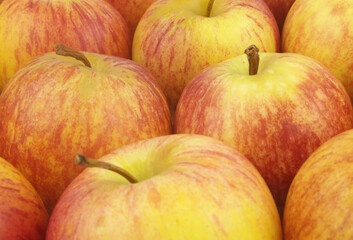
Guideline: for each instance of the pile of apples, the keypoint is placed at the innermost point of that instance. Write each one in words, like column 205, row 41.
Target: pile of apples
column 176, row 119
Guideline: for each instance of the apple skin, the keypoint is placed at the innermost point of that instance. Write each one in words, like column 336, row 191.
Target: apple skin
column 308, row 31
column 319, row 203
column 55, row 107
column 276, row 118
column 175, row 40
column 31, row 28
column 190, row 187
column 280, row 9
column 22, row 212
column 132, row 11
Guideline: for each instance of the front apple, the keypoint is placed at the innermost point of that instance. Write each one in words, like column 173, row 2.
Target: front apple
column 276, row 117
column 320, row 200
column 323, row 30
column 176, row 39
column 56, row 106
column 188, row 187
column 22, row 212
column 31, row 28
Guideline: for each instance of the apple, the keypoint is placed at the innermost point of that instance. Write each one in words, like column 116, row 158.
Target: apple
column 22, row 212
column 31, row 28
column 175, row 39
column 319, row 203
column 57, row 106
column 323, row 30
column 132, row 11
column 280, row 9
column 174, row 187
column 276, row 111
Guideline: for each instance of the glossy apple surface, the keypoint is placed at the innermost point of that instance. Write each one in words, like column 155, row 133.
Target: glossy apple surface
column 22, row 212
column 189, row 187
column 176, row 39
column 31, row 28
column 55, row 107
column 319, row 203
column 276, row 118
column 323, row 30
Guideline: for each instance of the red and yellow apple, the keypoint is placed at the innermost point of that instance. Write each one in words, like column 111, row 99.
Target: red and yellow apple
column 176, row 39
column 56, row 106
column 323, row 30
column 320, row 200
column 31, row 28
column 132, row 11
column 22, row 212
column 183, row 187
column 276, row 116
column 280, row 9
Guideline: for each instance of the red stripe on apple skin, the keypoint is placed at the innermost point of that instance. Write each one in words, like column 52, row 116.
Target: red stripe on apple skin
column 34, row 204
column 202, row 171
column 18, row 188
column 309, row 88
column 9, row 189
column 161, row 37
column 19, row 213
column 262, row 6
column 10, row 6
column 257, row 5
column 213, row 101
column 154, row 196
column 217, row 222
column 230, row 157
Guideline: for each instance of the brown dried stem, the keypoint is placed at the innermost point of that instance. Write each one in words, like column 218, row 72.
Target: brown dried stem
column 89, row 162
column 63, row 50
column 209, row 8
column 252, row 53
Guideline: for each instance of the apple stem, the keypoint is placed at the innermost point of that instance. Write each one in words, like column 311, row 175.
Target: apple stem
column 89, row 162
column 252, row 53
column 209, row 7
column 63, row 50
